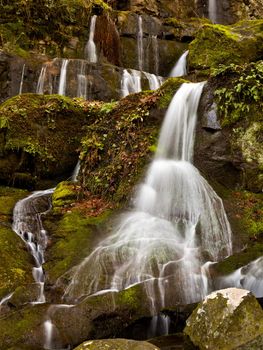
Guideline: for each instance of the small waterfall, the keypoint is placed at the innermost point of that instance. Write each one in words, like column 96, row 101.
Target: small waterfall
column 82, row 81
column 5, row 299
column 248, row 277
column 41, row 80
column 63, row 77
column 212, row 10
column 140, row 43
column 75, row 174
column 28, row 225
column 130, row 82
column 90, row 49
column 22, row 79
column 180, row 68
column 154, row 81
column 177, row 223
column 155, row 53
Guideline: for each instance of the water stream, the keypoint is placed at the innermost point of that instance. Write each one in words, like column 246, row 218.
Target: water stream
column 22, row 80
column 140, row 43
column 212, row 10
column 28, row 225
column 41, row 80
column 180, row 68
column 63, row 77
column 177, row 223
column 90, row 49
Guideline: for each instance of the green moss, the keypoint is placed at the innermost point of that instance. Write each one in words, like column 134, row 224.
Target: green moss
column 64, row 194
column 40, row 135
column 218, row 44
column 71, row 238
column 167, row 91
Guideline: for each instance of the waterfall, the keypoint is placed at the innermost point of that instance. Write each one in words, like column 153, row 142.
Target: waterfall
column 155, row 54
column 63, row 77
column 130, row 82
column 180, row 68
column 41, row 80
column 90, row 49
column 154, row 81
column 212, row 10
column 178, row 222
column 140, row 43
column 22, row 80
column 28, row 225
column 75, row 174
column 82, row 81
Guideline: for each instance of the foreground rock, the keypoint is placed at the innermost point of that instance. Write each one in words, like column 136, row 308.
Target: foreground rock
column 227, row 319
column 116, row 344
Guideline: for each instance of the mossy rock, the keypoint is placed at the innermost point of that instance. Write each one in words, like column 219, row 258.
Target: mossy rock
column 226, row 319
column 120, row 142
column 63, row 195
column 116, row 344
column 71, row 240
column 16, row 263
column 218, row 44
column 41, row 136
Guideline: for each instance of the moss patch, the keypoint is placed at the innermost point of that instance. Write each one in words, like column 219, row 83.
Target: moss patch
column 218, row 44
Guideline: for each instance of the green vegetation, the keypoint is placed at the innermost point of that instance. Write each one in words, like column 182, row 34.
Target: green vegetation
column 242, row 97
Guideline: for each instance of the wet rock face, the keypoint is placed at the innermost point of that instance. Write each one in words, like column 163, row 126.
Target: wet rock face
column 227, row 319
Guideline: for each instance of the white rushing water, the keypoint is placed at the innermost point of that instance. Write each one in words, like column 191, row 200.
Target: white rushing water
column 154, row 81
column 28, row 225
column 212, row 10
column 130, row 82
column 22, row 80
column 82, row 81
column 178, row 223
column 140, row 43
column 248, row 277
column 63, row 77
column 180, row 68
column 41, row 80
column 90, row 49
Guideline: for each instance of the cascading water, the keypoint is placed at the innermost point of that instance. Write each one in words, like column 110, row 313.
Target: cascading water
column 155, row 53
column 41, row 80
column 177, row 224
column 28, row 225
column 154, row 81
column 140, row 43
column 90, row 49
column 212, row 10
column 180, row 68
column 82, row 81
column 22, row 80
column 63, row 77
column 130, row 82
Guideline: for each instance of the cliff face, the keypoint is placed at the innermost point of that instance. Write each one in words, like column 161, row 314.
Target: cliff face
column 43, row 135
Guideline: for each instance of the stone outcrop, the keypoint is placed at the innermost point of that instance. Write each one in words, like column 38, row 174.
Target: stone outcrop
column 227, row 319
column 116, row 344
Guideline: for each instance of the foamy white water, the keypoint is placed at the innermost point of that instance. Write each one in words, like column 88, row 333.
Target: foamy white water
column 130, row 82
column 154, row 81
column 90, row 49
column 82, row 81
column 180, row 68
column 22, row 80
column 178, row 222
column 63, row 77
column 28, row 225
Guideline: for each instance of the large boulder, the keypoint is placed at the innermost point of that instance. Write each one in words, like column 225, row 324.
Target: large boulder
column 227, row 319
column 116, row 344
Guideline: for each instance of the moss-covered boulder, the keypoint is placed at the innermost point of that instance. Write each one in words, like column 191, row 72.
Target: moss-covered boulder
column 116, row 344
column 218, row 44
column 39, row 136
column 227, row 319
